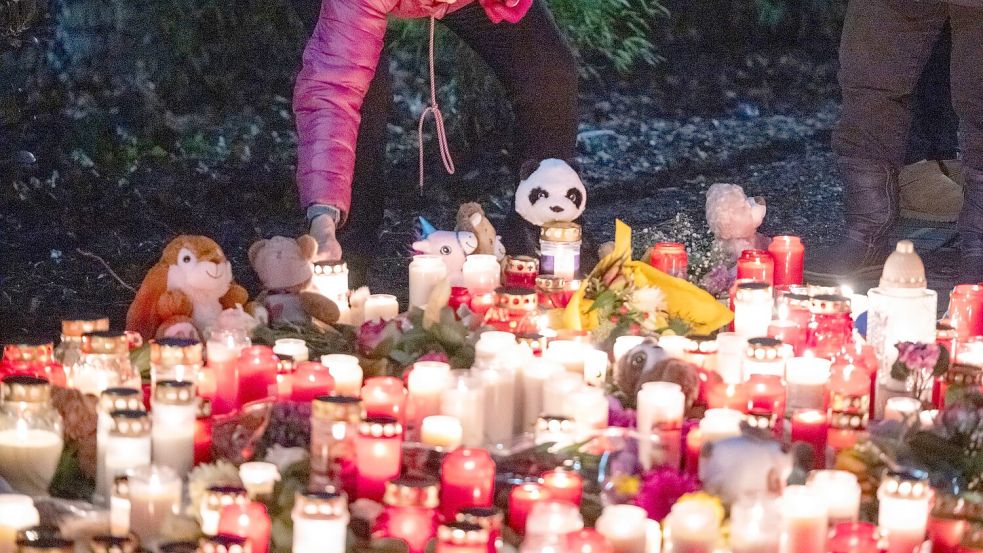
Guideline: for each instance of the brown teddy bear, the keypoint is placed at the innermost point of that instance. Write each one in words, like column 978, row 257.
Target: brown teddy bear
column 285, row 268
column 471, row 218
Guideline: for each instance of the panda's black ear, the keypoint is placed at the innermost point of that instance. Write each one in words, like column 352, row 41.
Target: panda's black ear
column 528, row 168
column 573, row 164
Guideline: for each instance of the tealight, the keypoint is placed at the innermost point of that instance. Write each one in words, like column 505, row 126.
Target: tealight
column 259, row 478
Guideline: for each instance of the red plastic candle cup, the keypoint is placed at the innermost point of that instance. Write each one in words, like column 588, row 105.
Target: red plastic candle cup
column 32, row 359
column 789, row 332
column 310, row 380
column 788, row 254
column 966, row 310
column 811, row 426
column 257, row 368
column 467, row 479
column 247, row 520
column 521, row 272
column 206, row 385
column 766, row 394
column 384, row 396
column 521, row 501
column 694, row 442
column 756, row 265
column 459, row 296
column 489, row 518
column 410, row 513
column 728, row 396
column 203, row 434
column 378, row 450
column 853, row 537
column 564, row 485
column 588, row 540
column 670, row 258
column 946, row 533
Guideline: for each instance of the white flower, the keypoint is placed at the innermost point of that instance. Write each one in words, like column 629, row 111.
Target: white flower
column 202, row 477
column 649, row 300
column 284, row 457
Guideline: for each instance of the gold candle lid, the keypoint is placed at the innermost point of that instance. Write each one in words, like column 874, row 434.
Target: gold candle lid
column 75, row 328
column 321, row 504
column 462, row 533
column 130, row 423
column 560, row 232
column 174, row 392
column 330, row 268
column 26, row 389
column 522, row 264
column 27, row 352
column 489, row 518
column 175, row 351
column 551, row 283
column 410, row 491
column 517, row 298
column 829, row 304
column 178, row 547
column 701, row 343
column 762, row 419
column 764, row 349
column 224, row 543
column 285, row 364
column 380, row 427
column 963, row 374
column 799, row 300
column 554, row 423
column 217, row 497
column 747, row 291
column 121, row 486
column 337, row 408
column 903, row 485
column 120, row 399
column 104, row 543
column 105, row 342
column 45, row 544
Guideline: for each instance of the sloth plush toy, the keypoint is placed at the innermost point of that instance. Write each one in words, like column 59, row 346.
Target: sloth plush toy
column 549, row 191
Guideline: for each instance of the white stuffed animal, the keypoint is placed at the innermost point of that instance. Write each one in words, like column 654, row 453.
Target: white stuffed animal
column 550, row 191
column 453, row 246
column 734, row 218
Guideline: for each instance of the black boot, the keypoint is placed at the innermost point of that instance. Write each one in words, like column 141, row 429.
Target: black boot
column 970, row 226
column 870, row 200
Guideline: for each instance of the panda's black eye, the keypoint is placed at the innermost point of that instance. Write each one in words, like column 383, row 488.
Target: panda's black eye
column 575, row 196
column 445, row 250
column 638, row 361
column 537, row 194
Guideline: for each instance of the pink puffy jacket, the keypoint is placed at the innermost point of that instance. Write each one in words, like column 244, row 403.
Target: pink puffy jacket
column 339, row 63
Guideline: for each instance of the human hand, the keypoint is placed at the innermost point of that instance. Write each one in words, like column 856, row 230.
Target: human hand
column 323, row 231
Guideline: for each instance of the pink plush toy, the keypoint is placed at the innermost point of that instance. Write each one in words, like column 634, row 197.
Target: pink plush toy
column 734, row 219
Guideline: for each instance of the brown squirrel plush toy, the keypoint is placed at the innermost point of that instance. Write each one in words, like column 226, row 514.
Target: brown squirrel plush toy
column 185, row 292
column 285, row 268
column 471, row 218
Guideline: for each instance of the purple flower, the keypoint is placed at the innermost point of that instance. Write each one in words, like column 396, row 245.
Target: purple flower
column 434, row 356
column 661, row 487
column 718, row 280
column 618, row 415
column 371, row 335
column 918, row 355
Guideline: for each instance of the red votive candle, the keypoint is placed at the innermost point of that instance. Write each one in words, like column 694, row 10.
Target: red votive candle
column 377, row 455
column 694, row 442
column 670, row 258
column 588, row 540
column 310, row 380
column 410, row 513
column 384, row 396
column 467, row 479
column 810, row 426
column 521, row 500
column 766, row 394
column 787, row 253
column 564, row 485
column 489, row 518
column 247, row 520
column 853, row 537
column 946, row 533
column 257, row 373
column 459, row 296
column 966, row 310
column 203, row 433
column 32, row 359
column 729, row 396
column 789, row 332
column 521, row 272
column 756, row 265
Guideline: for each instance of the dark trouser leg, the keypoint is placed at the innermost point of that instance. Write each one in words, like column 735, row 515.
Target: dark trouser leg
column 967, row 99
column 934, row 125
column 359, row 237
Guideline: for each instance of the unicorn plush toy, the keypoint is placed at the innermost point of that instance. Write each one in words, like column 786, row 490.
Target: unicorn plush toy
column 453, row 246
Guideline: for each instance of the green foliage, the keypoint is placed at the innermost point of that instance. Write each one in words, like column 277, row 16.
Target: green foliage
column 617, row 31
column 69, row 482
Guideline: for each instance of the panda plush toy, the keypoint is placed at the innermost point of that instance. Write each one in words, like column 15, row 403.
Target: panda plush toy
column 549, row 191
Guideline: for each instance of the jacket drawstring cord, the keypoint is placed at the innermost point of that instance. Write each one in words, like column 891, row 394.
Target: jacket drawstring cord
column 433, row 108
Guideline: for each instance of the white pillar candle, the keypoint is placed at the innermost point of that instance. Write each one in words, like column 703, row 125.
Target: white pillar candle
column 258, row 478
column 481, row 273
column 155, row 494
column 691, row 527
column 426, row 271
column 381, row 307
column 498, row 382
column 902, row 408
column 425, row 384
column 17, row 513
column 29, row 457
column 718, row 424
column 753, row 307
column 320, row 523
column 841, row 492
column 294, row 348
column 765, row 356
column 904, row 504
column 128, row 445
column 173, row 430
column 804, row 520
column 442, row 431
column 730, row 356
column 112, row 399
column 624, row 344
column 464, row 400
column 754, row 526
column 568, row 353
column 346, row 372
column 624, row 527
column 491, row 344
column 534, row 377
column 556, row 391
column 554, row 518
column 595, row 367
column 807, row 378
column 674, row 345
column 660, row 411
column 590, row 408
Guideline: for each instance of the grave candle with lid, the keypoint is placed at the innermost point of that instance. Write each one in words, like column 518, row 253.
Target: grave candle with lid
column 334, row 429
column 30, row 434
column 35, row 358
column 377, row 454
column 104, row 363
column 222, row 352
column 173, row 433
column 128, row 445
column 111, row 399
column 410, row 512
column 69, row 348
column 320, row 521
column 560, row 250
column 174, row 359
column 467, row 479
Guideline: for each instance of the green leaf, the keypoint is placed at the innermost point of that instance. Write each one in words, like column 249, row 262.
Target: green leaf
column 899, row 371
column 942, row 365
column 605, row 301
column 140, row 360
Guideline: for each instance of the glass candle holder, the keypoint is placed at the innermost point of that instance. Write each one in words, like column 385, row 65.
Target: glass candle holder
column 811, row 426
column 36, row 359
column 174, row 359
column 111, row 399
column 670, row 258
column 499, row 384
column 464, row 399
column 516, row 310
column 903, row 508
column 334, row 429
column 841, row 492
column 568, row 353
column 757, row 265
column 247, row 520
column 215, row 499
column 294, row 348
column 119, row 507
column 173, row 435
column 661, row 406
column 590, row 407
column 950, row 521
column 849, row 406
column 467, row 479
column 521, row 500
column 553, row 291
column 320, row 522
column 425, row 384
column 753, row 304
column 259, row 478
column 830, row 328
column 552, row 523
column 69, row 348
column 564, row 485
column 222, row 351
column 346, row 372
column 482, row 274
column 461, row 537
column 589, row 540
column 203, row 433
column 691, row 527
column 804, row 519
column 384, row 396
column 30, row 434
column 766, row 394
column 426, row 271
column 128, row 444
column 718, row 424
column 731, row 349
column 155, row 495
column 764, row 356
column 807, row 379
column 381, row 307
column 489, row 518
column 410, row 512
column 377, row 455
column 104, row 362
column 753, row 524
column 966, row 310
column 521, row 271
column 491, row 345
column 331, row 281
column 442, row 432
column 310, row 380
column 625, row 528
column 559, row 245
column 788, row 254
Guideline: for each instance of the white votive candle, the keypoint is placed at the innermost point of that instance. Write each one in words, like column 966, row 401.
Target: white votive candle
column 128, row 445
column 570, row 354
column 119, row 507
column 491, row 345
column 294, row 348
column 381, row 307
column 807, row 379
column 904, row 504
column 595, row 367
column 804, row 520
column 691, row 527
column 718, row 424
column 464, row 400
column 841, row 492
column 481, row 273
column 660, row 411
column 258, row 478
column 624, row 527
column 731, row 348
column 498, row 382
column 173, row 430
column 346, row 372
column 17, row 513
column 320, row 523
column 556, row 391
column 590, row 408
column 753, row 306
column 425, row 384
column 755, row 526
column 426, row 271
column 674, row 345
column 902, row 408
column 442, row 431
column 534, row 376
column 155, row 495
